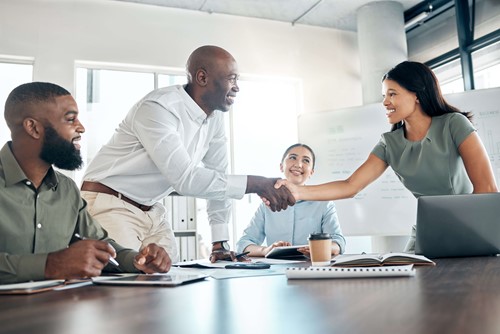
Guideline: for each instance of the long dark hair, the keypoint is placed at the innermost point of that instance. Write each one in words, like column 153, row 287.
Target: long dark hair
column 301, row 145
column 418, row 78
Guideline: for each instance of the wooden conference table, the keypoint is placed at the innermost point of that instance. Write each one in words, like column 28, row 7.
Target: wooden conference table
column 456, row 296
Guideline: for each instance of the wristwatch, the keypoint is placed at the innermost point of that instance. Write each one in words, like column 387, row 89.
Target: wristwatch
column 223, row 244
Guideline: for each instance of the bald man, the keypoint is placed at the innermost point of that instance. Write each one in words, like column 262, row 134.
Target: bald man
column 40, row 208
column 173, row 140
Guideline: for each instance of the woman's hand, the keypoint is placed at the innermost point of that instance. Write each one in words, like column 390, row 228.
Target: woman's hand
column 280, row 243
column 293, row 188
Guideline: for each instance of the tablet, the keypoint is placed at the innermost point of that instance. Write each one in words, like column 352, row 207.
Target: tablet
column 151, row 280
column 285, row 252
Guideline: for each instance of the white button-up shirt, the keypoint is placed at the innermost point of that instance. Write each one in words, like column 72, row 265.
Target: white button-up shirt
column 167, row 143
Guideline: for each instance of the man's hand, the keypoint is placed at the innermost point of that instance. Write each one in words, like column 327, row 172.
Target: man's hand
column 81, row 259
column 222, row 254
column 294, row 189
column 219, row 253
column 278, row 198
column 153, row 259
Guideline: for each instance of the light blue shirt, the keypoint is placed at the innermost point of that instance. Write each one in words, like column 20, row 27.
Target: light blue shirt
column 293, row 224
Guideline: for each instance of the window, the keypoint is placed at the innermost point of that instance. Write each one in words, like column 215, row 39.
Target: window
column 435, row 42
column 450, row 77
column 262, row 124
column 13, row 74
column 487, row 67
column 165, row 80
column 105, row 96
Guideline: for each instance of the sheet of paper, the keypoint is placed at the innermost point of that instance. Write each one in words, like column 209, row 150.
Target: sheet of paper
column 274, row 261
column 217, row 270
column 202, row 263
column 31, row 285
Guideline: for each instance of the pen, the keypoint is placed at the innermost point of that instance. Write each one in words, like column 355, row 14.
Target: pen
column 111, row 259
column 237, row 256
column 242, row 254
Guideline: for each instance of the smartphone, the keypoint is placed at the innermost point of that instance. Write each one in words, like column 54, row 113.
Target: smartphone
column 241, row 265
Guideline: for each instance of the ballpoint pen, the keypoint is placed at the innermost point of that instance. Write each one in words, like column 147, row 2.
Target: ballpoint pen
column 111, row 259
column 237, row 256
column 241, row 255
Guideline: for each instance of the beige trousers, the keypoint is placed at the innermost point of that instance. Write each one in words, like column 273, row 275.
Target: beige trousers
column 131, row 227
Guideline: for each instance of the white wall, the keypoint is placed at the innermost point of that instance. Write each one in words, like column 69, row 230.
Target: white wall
column 59, row 32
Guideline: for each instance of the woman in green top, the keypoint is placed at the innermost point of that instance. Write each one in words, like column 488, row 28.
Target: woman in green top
column 433, row 147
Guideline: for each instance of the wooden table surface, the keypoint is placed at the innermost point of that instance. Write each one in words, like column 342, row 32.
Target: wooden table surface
column 456, row 296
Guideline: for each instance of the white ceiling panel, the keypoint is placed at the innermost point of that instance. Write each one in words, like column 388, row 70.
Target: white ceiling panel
column 338, row 14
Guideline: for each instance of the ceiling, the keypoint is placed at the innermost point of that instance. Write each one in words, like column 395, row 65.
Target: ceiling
column 338, row 14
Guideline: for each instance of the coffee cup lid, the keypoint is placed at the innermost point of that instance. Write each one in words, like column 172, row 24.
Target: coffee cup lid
column 319, row 236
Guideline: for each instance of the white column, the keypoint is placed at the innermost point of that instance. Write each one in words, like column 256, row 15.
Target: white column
column 381, row 43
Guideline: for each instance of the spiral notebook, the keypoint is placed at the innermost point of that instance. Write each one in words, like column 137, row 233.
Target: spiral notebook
column 365, row 272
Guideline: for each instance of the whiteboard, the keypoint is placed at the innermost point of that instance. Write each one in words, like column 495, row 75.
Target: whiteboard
column 342, row 140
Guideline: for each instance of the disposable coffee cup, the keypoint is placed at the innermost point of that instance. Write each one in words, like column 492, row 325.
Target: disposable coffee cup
column 320, row 246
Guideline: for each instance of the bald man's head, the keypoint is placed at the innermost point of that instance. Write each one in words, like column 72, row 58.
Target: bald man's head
column 212, row 78
column 208, row 58
column 22, row 100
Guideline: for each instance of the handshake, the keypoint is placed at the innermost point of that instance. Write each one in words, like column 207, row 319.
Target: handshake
column 271, row 191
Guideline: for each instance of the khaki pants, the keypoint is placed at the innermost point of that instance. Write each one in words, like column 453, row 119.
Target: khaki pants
column 131, row 227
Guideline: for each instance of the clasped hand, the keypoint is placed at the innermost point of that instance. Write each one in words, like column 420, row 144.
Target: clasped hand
column 283, row 185
column 276, row 198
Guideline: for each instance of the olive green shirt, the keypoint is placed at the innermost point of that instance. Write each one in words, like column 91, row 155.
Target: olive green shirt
column 432, row 166
column 35, row 222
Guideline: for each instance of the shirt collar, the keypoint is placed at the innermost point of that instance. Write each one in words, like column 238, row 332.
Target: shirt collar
column 14, row 173
column 194, row 110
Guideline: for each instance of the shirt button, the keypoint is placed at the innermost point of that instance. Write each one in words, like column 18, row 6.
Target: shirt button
column 28, row 183
column 39, row 225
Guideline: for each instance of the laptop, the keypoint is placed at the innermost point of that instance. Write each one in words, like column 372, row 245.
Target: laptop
column 458, row 225
column 150, row 280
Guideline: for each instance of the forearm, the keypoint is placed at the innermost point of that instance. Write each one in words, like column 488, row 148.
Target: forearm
column 256, row 250
column 477, row 165
column 22, row 268
column 219, row 215
column 254, row 184
column 126, row 259
column 327, row 191
column 368, row 172
column 484, row 181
